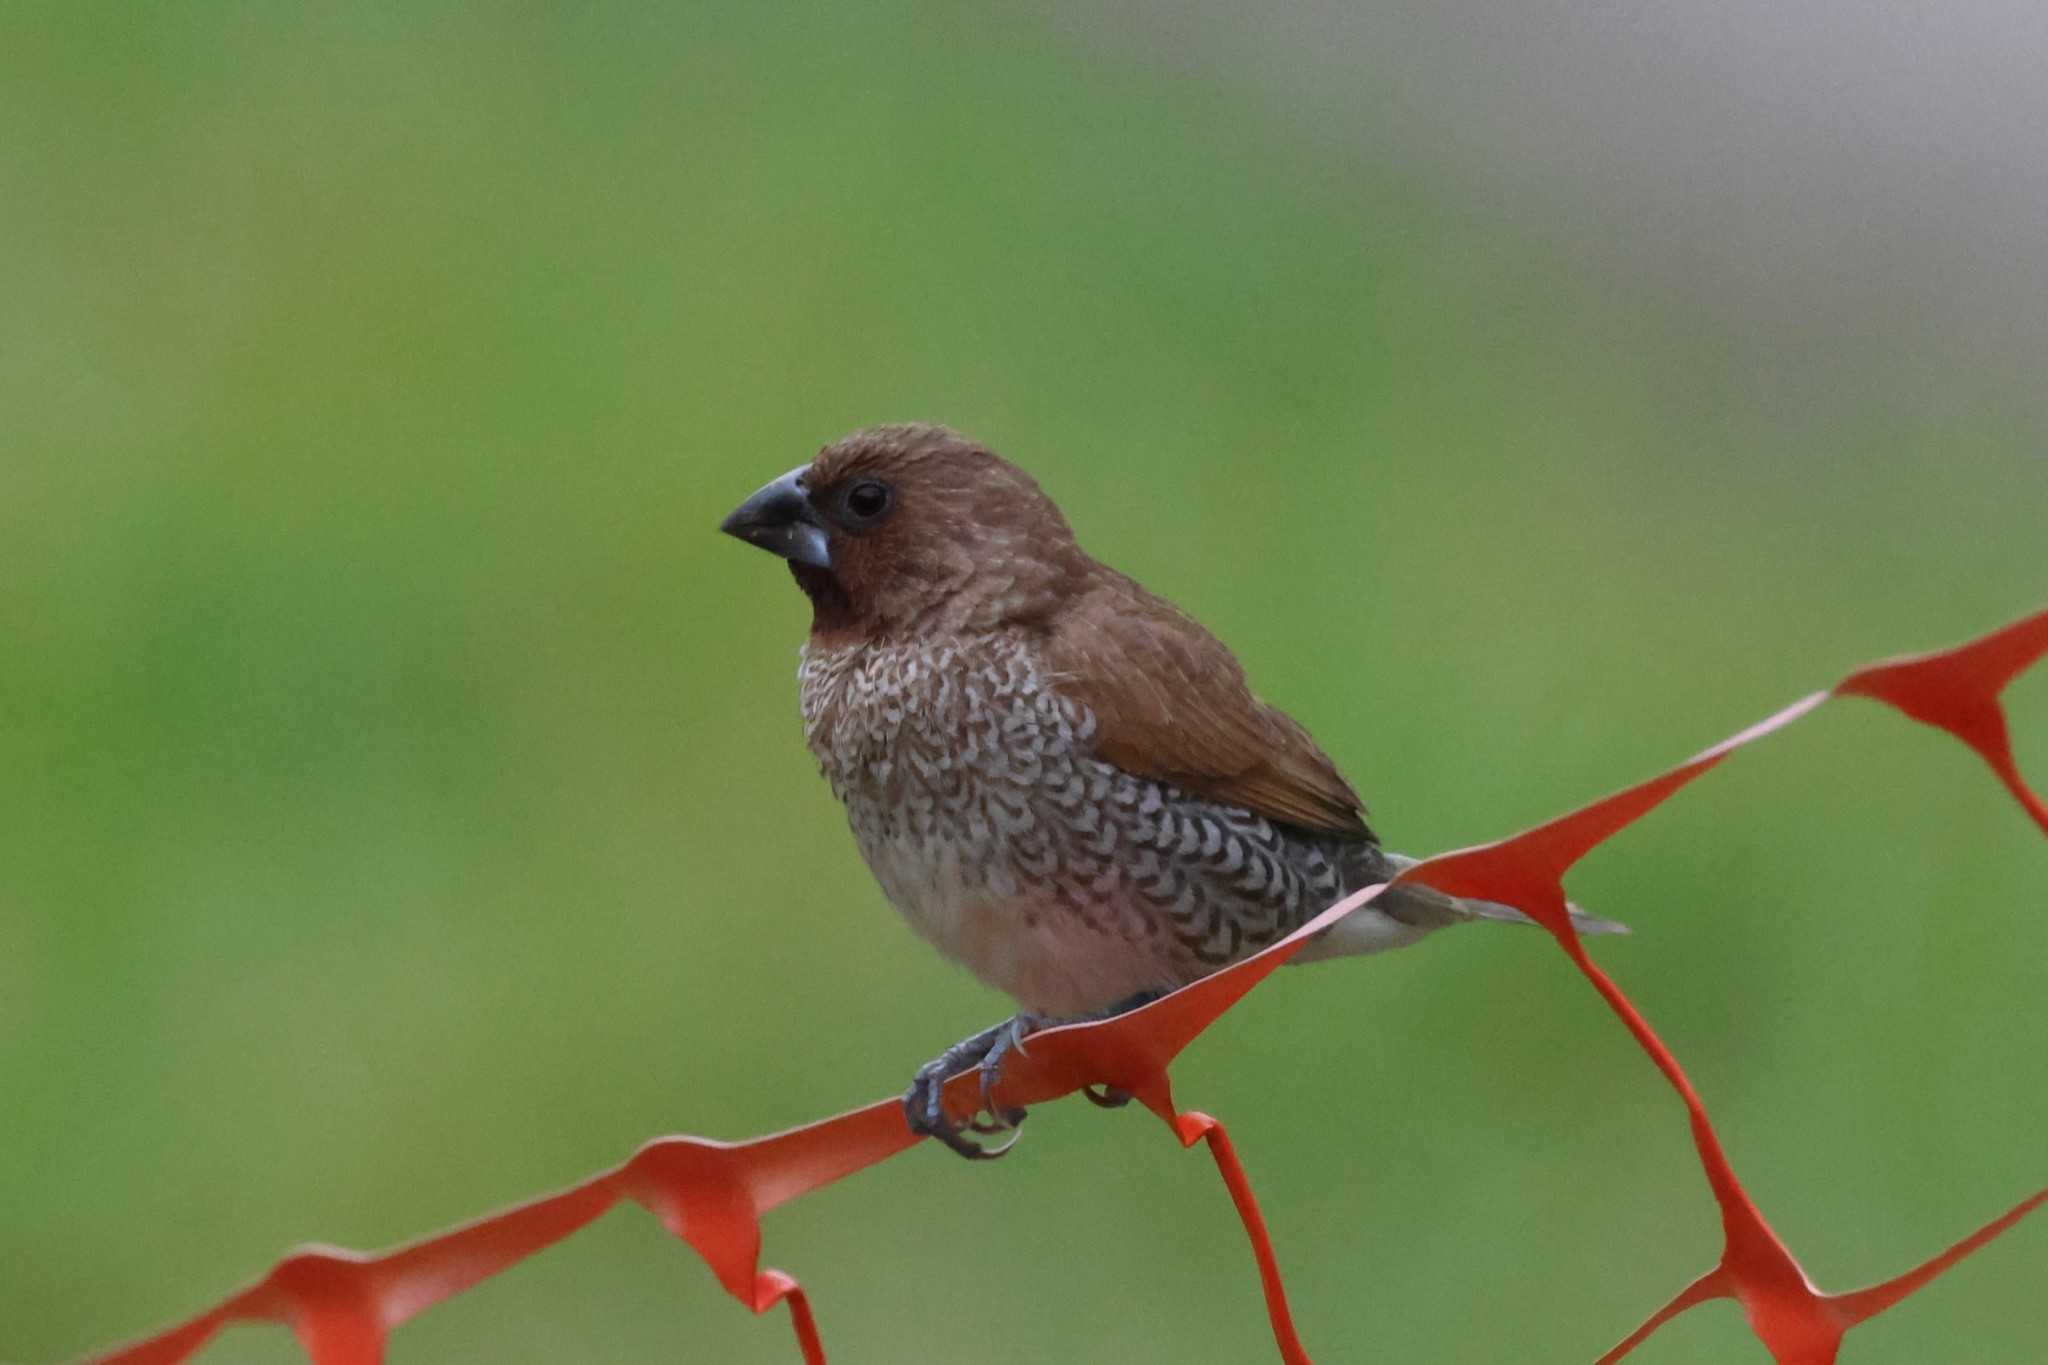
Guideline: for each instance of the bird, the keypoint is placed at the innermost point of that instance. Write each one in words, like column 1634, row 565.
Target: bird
column 1060, row 779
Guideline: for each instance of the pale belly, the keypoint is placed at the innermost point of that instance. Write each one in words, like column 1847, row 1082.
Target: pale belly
column 1037, row 951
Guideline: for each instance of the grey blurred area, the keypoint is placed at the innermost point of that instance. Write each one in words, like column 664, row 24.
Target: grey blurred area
column 1839, row 184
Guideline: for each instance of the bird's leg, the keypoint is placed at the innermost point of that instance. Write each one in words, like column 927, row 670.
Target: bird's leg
column 1009, row 1038
column 924, row 1103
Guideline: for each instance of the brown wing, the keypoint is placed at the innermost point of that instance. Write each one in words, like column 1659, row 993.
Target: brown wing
column 1171, row 702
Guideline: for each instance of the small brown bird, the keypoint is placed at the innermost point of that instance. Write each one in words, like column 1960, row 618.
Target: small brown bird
column 1060, row 779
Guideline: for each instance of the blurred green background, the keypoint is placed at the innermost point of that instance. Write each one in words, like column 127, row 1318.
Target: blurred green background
column 403, row 808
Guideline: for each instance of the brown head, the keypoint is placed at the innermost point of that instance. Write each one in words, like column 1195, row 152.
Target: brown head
column 914, row 529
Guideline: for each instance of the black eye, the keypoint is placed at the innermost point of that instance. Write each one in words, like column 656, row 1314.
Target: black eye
column 867, row 502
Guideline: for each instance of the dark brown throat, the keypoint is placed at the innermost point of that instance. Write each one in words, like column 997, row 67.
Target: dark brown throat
column 831, row 607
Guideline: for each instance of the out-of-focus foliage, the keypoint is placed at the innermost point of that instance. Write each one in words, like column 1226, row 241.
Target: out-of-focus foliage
column 403, row 809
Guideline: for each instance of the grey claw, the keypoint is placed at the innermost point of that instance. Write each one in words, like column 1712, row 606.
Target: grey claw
column 997, row 1121
column 1009, row 1038
column 924, row 1104
column 924, row 1109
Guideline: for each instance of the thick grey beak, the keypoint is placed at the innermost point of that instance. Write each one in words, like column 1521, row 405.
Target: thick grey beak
column 780, row 519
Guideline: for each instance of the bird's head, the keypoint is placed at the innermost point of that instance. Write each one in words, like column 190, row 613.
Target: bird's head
column 914, row 528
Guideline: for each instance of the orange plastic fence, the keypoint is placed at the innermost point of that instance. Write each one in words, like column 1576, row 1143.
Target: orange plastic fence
column 343, row 1304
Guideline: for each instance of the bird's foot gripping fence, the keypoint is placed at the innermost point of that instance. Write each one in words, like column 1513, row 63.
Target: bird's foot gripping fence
column 342, row 1304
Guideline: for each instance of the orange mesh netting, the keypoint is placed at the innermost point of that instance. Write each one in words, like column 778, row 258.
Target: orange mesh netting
column 343, row 1304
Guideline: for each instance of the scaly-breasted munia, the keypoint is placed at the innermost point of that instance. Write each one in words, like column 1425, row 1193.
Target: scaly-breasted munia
column 1059, row 778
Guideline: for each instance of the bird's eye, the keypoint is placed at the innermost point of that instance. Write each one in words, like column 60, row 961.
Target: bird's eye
column 867, row 502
